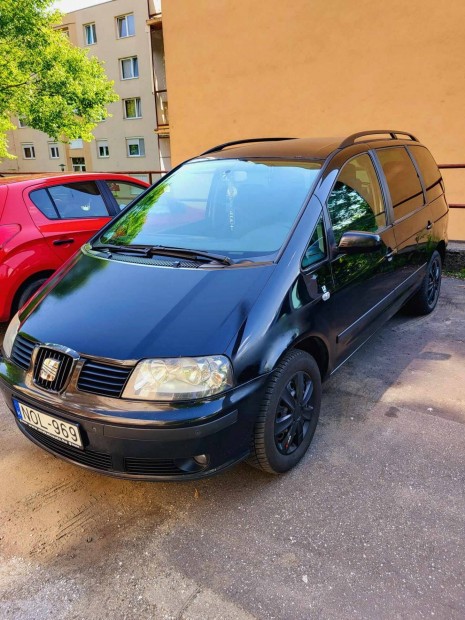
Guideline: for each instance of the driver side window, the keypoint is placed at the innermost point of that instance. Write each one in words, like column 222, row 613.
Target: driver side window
column 356, row 201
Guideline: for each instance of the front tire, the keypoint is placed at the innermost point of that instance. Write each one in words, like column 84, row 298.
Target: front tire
column 426, row 298
column 289, row 414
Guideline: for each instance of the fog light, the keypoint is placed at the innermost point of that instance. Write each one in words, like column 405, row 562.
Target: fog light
column 201, row 459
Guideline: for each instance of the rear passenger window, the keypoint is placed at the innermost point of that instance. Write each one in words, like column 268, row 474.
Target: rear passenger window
column 402, row 179
column 429, row 170
column 78, row 200
column 42, row 200
column 356, row 201
column 70, row 201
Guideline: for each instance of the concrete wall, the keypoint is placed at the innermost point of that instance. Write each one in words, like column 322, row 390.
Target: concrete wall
column 242, row 68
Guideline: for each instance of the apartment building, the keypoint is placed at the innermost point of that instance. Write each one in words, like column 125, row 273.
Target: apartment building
column 128, row 37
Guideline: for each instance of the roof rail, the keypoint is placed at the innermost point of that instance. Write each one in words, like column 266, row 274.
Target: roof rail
column 353, row 137
column 220, row 147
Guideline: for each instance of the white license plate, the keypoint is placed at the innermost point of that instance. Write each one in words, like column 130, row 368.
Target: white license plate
column 49, row 425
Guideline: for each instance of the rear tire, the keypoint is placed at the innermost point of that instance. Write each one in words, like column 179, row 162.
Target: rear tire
column 289, row 414
column 28, row 292
column 425, row 299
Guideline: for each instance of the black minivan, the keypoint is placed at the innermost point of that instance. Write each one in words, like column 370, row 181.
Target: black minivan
column 195, row 329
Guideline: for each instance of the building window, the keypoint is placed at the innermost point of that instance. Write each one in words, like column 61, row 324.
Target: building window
column 76, row 144
column 125, row 26
column 90, row 34
column 29, row 151
column 132, row 108
column 135, row 147
column 79, row 164
column 129, row 68
column 53, row 151
column 65, row 31
column 102, row 148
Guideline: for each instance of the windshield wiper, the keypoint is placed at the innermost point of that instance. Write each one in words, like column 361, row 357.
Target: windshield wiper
column 166, row 250
column 123, row 249
column 163, row 250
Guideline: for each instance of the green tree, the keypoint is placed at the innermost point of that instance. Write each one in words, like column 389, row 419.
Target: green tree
column 56, row 87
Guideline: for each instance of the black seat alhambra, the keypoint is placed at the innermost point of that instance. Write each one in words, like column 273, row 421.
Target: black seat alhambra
column 195, row 329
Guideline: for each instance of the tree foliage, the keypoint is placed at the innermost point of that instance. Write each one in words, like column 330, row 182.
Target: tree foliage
column 56, row 87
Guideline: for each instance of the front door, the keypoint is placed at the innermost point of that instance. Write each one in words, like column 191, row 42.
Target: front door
column 363, row 283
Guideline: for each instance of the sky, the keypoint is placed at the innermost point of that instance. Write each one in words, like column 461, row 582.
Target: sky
column 73, row 5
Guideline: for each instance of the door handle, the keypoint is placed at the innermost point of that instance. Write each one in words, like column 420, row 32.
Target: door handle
column 429, row 226
column 63, row 241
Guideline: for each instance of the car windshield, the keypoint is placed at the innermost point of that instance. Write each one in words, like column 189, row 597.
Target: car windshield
column 240, row 209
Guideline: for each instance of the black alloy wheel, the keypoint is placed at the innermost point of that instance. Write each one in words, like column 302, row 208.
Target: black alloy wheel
column 289, row 414
column 426, row 298
column 434, row 281
column 294, row 413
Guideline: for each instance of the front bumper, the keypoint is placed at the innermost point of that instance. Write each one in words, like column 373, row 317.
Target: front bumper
column 143, row 441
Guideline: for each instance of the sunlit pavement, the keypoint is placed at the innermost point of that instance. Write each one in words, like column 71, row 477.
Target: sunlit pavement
column 370, row 525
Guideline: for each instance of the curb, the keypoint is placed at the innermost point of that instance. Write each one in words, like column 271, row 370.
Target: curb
column 455, row 257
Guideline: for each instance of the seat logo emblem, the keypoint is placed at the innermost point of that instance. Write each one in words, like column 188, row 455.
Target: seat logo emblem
column 49, row 369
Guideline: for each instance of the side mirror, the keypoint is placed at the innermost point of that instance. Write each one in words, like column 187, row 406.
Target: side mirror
column 355, row 242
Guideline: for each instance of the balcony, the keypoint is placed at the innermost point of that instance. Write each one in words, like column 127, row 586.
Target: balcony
column 161, row 104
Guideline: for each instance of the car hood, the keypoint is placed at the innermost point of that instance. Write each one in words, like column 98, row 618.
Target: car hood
column 119, row 310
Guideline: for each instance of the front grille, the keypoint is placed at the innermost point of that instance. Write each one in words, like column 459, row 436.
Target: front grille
column 103, row 379
column 22, row 352
column 65, row 364
column 152, row 467
column 99, row 460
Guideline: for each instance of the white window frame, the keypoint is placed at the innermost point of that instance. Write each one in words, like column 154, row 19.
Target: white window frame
column 90, row 28
column 103, row 144
column 133, row 76
column 76, row 144
column 124, row 19
column 28, row 145
column 81, row 167
column 51, row 147
column 131, row 142
column 137, row 105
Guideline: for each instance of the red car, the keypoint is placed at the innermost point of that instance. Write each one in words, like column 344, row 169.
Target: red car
column 44, row 219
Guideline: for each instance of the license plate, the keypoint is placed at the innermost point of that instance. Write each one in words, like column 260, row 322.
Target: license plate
column 49, row 425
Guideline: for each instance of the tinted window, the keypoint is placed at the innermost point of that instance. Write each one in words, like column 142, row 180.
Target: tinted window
column 78, row 200
column 244, row 209
column 42, row 200
column 124, row 193
column 316, row 249
column 356, row 201
column 402, row 179
column 429, row 170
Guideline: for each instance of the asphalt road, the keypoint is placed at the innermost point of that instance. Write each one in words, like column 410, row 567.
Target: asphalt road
column 370, row 525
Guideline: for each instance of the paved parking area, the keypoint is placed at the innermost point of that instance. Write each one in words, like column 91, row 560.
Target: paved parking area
column 370, row 525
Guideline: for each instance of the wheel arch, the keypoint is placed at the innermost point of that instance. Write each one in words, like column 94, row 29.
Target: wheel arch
column 441, row 248
column 46, row 273
column 317, row 348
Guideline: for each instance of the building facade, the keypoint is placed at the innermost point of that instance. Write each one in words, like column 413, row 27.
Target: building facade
column 261, row 68
column 128, row 37
column 242, row 68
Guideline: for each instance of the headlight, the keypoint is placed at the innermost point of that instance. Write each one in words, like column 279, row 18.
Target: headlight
column 10, row 335
column 182, row 378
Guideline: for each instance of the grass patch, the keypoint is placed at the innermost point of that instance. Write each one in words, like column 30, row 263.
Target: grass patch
column 460, row 274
